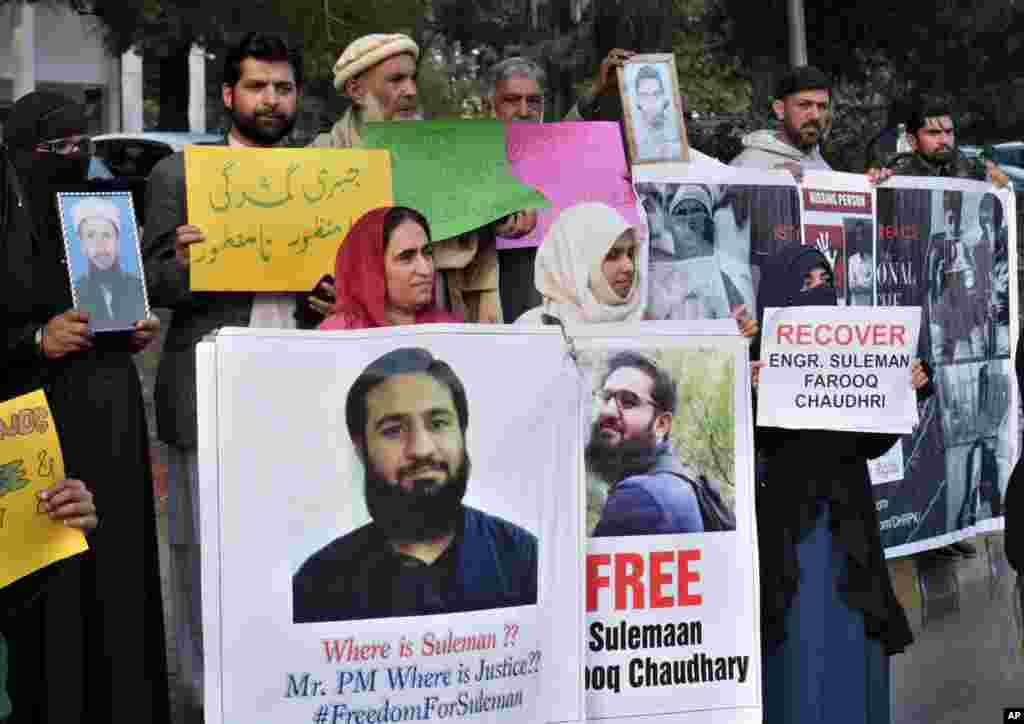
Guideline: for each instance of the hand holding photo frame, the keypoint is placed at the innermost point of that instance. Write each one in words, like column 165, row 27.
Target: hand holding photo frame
column 101, row 241
column 653, row 109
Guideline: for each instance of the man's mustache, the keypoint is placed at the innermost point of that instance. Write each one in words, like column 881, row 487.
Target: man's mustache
column 411, row 471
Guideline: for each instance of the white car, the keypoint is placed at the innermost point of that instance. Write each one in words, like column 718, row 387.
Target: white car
column 1008, row 156
column 135, row 154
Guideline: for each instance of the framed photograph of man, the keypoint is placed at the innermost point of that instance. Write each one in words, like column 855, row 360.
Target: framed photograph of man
column 101, row 240
column 653, row 109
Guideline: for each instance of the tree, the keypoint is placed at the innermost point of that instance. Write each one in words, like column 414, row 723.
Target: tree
column 952, row 47
column 164, row 31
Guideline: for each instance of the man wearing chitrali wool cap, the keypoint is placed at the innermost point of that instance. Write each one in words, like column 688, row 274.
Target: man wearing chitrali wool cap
column 378, row 74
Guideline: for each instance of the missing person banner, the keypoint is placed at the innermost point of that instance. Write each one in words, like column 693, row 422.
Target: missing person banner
column 671, row 576
column 274, row 222
column 30, row 461
column 838, row 219
column 830, row 368
column 392, row 537
column 710, row 231
column 946, row 246
column 950, row 247
column 382, row 531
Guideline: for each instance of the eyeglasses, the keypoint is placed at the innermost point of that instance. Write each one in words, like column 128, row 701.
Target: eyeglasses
column 67, row 146
column 625, row 399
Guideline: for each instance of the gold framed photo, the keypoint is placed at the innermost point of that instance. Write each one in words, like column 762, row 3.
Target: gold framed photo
column 653, row 109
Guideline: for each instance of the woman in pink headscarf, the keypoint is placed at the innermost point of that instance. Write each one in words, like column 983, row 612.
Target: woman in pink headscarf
column 384, row 273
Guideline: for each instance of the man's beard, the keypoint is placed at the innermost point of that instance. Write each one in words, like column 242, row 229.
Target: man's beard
column 105, row 276
column 613, row 463
column 248, row 125
column 422, row 514
column 807, row 136
column 941, row 155
column 373, row 110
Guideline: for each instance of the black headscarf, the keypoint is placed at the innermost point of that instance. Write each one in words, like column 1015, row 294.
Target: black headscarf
column 782, row 281
column 37, row 117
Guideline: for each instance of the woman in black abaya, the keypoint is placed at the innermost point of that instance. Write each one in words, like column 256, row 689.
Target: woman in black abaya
column 90, row 646
column 830, row 618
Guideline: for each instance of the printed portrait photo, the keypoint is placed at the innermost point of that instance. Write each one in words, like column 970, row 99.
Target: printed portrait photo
column 104, row 264
column 660, row 443
column 968, row 277
column 700, row 250
column 419, row 546
column 860, row 262
column 655, row 127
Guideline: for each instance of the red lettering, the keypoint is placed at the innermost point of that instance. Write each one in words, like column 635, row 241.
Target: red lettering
column 843, row 329
column 595, row 581
column 803, row 334
column 827, row 338
column 686, row 577
column 659, row 578
column 897, row 334
column 631, row 590
column 784, row 331
column 629, row 570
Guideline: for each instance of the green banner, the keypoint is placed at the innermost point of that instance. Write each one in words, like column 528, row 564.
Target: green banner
column 456, row 173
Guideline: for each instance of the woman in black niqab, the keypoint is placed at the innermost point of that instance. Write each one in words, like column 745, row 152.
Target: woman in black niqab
column 829, row 616
column 86, row 635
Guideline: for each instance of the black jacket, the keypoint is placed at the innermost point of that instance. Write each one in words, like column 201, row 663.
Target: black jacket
column 127, row 301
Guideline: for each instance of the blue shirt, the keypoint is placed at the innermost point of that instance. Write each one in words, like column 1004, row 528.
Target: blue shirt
column 654, row 503
column 491, row 564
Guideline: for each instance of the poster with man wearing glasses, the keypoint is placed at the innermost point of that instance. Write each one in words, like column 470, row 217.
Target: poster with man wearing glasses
column 661, row 443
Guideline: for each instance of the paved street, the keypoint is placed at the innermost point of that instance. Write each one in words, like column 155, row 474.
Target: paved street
column 966, row 664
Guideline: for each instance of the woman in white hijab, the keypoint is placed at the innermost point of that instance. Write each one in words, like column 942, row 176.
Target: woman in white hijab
column 590, row 268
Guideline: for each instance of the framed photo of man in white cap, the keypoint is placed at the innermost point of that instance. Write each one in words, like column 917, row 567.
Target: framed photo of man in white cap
column 653, row 109
column 101, row 240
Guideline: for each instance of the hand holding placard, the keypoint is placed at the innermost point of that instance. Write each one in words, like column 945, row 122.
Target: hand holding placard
column 31, row 463
column 840, row 368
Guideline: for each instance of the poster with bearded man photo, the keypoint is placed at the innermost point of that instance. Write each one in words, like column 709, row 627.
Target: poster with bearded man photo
column 382, row 514
column 671, row 576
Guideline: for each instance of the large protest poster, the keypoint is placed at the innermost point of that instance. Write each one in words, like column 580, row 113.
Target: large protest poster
column 947, row 246
column 298, row 506
column 944, row 245
column 671, row 585
column 710, row 228
column 838, row 219
column 331, row 464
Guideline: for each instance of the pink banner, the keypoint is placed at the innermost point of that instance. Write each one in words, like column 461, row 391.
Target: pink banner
column 570, row 163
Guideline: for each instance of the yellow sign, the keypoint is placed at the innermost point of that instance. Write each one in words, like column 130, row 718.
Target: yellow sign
column 30, row 461
column 274, row 219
